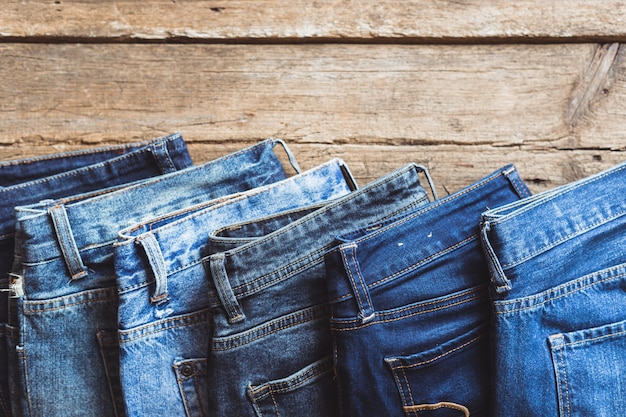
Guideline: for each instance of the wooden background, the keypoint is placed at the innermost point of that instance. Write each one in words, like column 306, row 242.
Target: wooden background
column 463, row 87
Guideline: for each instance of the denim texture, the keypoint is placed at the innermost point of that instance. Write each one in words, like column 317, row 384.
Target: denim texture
column 558, row 274
column 164, row 315
column 410, row 309
column 65, row 331
column 271, row 351
column 29, row 180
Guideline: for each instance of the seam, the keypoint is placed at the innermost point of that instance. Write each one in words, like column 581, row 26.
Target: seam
column 443, row 355
column 563, row 239
column 417, row 313
column 163, row 325
column 535, row 299
column 415, row 265
column 553, row 195
column 210, row 164
column 431, row 206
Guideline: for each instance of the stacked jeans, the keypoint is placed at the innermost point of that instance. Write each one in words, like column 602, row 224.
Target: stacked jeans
column 30, row 180
column 143, row 286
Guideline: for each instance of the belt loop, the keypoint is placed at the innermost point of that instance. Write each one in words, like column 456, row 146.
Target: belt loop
column 65, row 237
column 358, row 284
column 292, row 158
column 431, row 183
column 518, row 184
column 162, row 157
column 225, row 292
column 157, row 263
column 499, row 280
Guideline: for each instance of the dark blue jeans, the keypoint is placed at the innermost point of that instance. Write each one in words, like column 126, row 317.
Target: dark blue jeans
column 410, row 308
column 558, row 285
column 68, row 304
column 31, row 180
column 271, row 351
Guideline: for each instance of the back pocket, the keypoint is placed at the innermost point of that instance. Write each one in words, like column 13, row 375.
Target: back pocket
column 451, row 380
column 310, row 391
column 589, row 366
column 192, row 378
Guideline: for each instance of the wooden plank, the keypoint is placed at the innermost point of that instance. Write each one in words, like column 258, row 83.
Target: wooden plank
column 365, row 94
column 462, row 110
column 340, row 20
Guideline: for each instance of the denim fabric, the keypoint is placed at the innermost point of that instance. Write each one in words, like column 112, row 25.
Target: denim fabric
column 67, row 339
column 30, row 180
column 271, row 352
column 164, row 308
column 410, row 308
column 558, row 286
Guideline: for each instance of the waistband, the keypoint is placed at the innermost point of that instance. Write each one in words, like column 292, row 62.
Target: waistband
column 17, row 171
column 63, row 228
column 180, row 244
column 238, row 234
column 274, row 258
column 385, row 252
column 158, row 157
column 517, row 232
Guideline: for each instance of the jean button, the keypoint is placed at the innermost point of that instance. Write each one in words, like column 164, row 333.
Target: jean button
column 187, row 370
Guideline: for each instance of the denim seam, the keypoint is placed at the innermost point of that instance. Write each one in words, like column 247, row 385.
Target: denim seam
column 29, row 311
column 432, row 206
column 562, row 371
column 77, row 171
column 440, row 305
column 545, row 296
column 563, row 239
column 309, row 259
column 271, row 390
column 593, row 339
column 345, row 200
column 410, row 267
column 233, row 341
column 553, row 195
column 83, row 152
column 184, row 171
column 442, row 355
column 164, row 325
column 198, row 210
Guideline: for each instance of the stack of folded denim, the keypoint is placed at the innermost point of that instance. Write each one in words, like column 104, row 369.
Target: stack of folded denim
column 136, row 284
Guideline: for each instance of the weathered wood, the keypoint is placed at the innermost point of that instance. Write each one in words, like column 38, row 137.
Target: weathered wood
column 361, row 94
column 462, row 110
column 298, row 20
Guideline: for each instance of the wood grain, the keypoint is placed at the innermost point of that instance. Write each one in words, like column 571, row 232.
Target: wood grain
column 303, row 20
column 463, row 110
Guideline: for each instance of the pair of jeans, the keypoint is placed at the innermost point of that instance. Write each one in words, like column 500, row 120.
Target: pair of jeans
column 65, row 320
column 410, row 309
column 271, row 350
column 29, row 180
column 164, row 313
column 558, row 281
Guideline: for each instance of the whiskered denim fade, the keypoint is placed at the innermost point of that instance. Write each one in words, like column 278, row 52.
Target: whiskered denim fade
column 164, row 315
column 66, row 346
column 29, row 180
column 558, row 285
column 271, row 350
column 410, row 309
